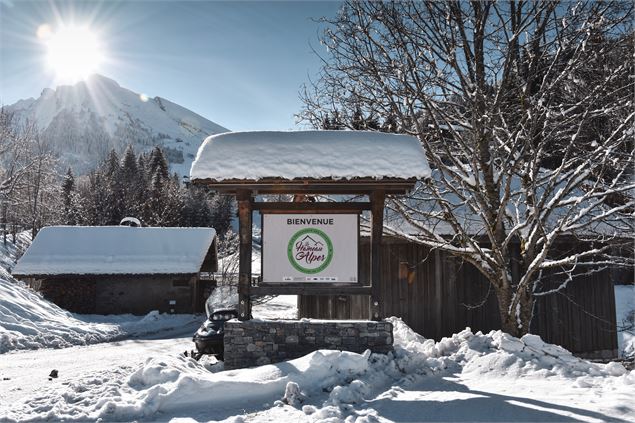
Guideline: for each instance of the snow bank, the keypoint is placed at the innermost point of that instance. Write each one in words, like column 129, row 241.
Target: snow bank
column 327, row 385
column 495, row 353
column 309, row 154
column 27, row 321
column 169, row 384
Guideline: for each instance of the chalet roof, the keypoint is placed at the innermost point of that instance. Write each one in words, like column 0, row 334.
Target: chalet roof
column 334, row 157
column 115, row 250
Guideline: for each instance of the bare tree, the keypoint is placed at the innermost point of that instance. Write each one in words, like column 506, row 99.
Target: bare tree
column 15, row 162
column 28, row 194
column 525, row 112
column 39, row 196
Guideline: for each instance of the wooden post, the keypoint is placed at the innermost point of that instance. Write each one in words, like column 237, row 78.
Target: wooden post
column 244, row 275
column 377, row 221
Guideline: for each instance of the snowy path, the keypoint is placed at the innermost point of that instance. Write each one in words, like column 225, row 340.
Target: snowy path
column 27, row 371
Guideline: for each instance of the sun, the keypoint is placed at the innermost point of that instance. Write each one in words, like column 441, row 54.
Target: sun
column 73, row 52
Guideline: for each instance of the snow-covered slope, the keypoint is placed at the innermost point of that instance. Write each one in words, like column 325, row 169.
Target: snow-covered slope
column 27, row 321
column 11, row 252
column 84, row 121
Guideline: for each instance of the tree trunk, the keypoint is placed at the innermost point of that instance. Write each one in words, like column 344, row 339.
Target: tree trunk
column 516, row 321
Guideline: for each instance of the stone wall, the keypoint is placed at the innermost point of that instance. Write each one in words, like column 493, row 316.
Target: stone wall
column 257, row 342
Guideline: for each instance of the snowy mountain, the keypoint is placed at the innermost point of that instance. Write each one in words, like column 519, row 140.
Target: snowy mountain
column 83, row 122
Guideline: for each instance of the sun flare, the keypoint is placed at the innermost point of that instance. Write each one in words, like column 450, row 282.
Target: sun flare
column 73, row 52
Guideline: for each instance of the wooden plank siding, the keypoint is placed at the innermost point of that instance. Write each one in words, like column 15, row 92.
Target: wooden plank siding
column 438, row 295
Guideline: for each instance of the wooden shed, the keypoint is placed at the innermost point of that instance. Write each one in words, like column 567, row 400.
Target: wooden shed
column 120, row 269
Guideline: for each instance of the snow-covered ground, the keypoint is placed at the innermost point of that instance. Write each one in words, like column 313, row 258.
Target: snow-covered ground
column 467, row 377
column 475, row 377
column 280, row 307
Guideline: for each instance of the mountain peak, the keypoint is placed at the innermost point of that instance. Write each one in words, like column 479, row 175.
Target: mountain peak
column 84, row 121
column 47, row 92
column 101, row 79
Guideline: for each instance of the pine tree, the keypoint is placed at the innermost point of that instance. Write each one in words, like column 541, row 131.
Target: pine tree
column 111, row 165
column 142, row 169
column 129, row 167
column 158, row 163
column 114, row 193
column 130, row 183
column 222, row 212
column 157, row 200
column 68, row 188
column 175, row 202
column 94, row 200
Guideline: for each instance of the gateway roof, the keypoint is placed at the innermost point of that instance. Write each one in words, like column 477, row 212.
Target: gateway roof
column 334, row 155
column 116, row 250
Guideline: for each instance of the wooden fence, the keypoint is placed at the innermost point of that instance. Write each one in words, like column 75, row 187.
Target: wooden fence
column 438, row 295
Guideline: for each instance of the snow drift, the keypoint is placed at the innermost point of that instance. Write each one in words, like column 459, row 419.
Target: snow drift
column 324, row 385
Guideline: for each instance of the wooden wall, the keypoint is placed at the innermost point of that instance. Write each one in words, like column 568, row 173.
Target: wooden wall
column 119, row 294
column 438, row 295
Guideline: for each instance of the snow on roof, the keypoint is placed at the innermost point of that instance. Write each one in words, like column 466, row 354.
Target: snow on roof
column 110, row 250
column 309, row 155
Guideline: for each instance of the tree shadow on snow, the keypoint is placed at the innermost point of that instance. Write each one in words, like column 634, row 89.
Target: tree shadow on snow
column 428, row 404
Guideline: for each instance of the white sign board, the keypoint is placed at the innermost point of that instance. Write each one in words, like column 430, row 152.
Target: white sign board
column 316, row 248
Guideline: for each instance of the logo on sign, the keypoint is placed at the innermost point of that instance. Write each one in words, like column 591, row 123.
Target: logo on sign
column 310, row 250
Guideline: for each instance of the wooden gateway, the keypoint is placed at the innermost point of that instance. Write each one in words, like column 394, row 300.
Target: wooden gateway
column 356, row 169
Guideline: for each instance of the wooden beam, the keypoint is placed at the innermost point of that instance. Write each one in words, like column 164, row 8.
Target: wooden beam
column 377, row 199
column 306, row 289
column 312, row 189
column 244, row 268
column 308, row 207
column 311, row 186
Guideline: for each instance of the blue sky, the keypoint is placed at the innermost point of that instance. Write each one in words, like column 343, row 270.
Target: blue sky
column 239, row 64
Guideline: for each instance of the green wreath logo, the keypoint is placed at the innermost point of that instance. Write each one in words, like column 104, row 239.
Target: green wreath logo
column 310, row 246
